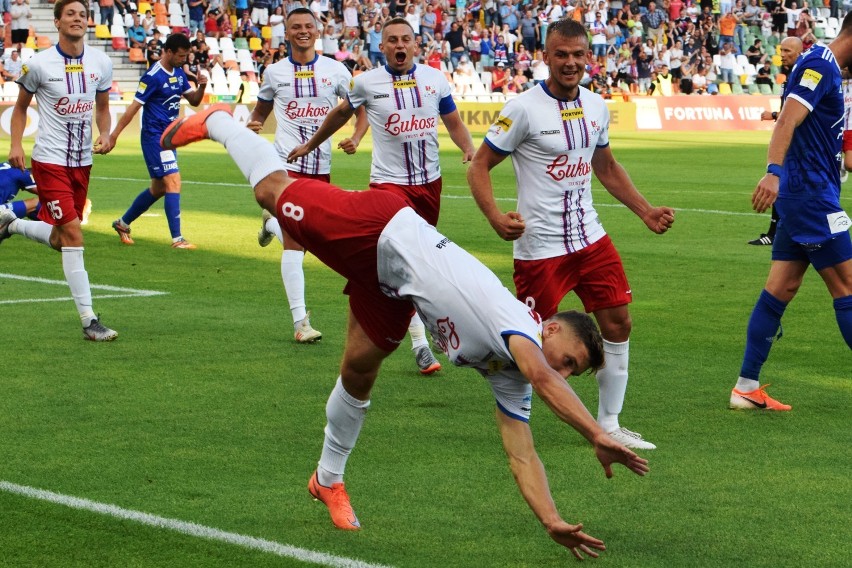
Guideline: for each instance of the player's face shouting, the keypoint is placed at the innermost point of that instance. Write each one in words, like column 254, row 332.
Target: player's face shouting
column 566, row 57
column 399, row 47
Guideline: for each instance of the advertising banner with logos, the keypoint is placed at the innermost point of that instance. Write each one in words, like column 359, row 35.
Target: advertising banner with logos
column 731, row 112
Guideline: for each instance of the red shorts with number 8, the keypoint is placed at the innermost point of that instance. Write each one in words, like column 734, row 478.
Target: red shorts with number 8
column 62, row 191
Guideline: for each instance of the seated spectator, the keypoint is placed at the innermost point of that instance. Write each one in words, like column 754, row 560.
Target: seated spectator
column 191, row 69
column 155, row 49
column 344, row 56
column 755, row 53
column 13, row 66
column 522, row 59
column 225, row 27
column 500, row 78
column 245, row 27
column 280, row 53
column 136, row 35
column 362, row 61
column 463, row 76
column 148, row 23
column 520, row 82
column 764, row 74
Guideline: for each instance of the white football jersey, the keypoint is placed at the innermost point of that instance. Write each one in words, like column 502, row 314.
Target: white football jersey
column 847, row 103
column 466, row 308
column 552, row 142
column 303, row 96
column 65, row 89
column 403, row 111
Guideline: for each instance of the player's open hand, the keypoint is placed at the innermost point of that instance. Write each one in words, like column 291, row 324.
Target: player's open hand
column 510, row 225
column 17, row 158
column 104, row 144
column 765, row 193
column 298, row 152
column 608, row 452
column 255, row 126
column 348, row 145
column 659, row 219
column 574, row 539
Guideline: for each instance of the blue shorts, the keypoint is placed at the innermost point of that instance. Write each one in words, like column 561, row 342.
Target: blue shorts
column 160, row 162
column 821, row 255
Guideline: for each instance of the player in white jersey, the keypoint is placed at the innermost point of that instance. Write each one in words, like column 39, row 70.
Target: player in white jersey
column 557, row 135
column 69, row 82
column 392, row 258
column 403, row 102
column 847, row 127
column 302, row 89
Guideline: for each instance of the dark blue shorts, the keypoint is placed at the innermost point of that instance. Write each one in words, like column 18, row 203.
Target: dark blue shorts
column 160, row 162
column 821, row 255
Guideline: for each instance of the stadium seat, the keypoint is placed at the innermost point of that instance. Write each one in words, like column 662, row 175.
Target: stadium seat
column 255, row 44
column 226, row 43
column 175, row 8
column 742, row 60
column 119, row 44
column 117, row 31
column 753, row 90
column 736, row 88
column 777, row 89
column 30, row 41
column 117, row 19
column 266, row 32
column 43, row 42
column 776, row 60
column 143, row 7
column 164, row 31
column 725, row 89
column 213, row 44
column 102, row 32
column 136, row 55
column 240, row 43
column 764, row 89
column 176, row 20
column 10, row 91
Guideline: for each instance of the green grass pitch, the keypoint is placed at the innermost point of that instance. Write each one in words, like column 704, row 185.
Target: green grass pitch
column 204, row 410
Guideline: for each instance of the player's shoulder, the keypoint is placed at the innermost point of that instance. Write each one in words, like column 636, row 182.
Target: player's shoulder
column 329, row 65
column 818, row 57
column 429, row 73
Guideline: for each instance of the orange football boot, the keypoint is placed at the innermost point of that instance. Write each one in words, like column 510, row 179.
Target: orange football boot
column 190, row 129
column 756, row 400
column 337, row 501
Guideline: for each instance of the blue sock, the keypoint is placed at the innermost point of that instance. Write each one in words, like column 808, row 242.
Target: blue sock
column 19, row 208
column 172, row 206
column 843, row 312
column 763, row 326
column 141, row 204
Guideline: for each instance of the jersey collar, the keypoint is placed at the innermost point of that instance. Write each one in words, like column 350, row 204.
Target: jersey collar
column 63, row 54
column 552, row 96
column 409, row 72
column 311, row 62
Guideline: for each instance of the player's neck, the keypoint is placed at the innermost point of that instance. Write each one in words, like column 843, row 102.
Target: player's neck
column 168, row 67
column 560, row 92
column 71, row 47
column 303, row 56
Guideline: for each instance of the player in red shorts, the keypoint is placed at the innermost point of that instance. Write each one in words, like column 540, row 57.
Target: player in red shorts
column 404, row 102
column 558, row 135
column 392, row 258
column 68, row 83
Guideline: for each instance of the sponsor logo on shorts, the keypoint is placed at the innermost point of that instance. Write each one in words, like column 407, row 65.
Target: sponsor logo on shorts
column 170, row 167
column 167, row 156
column 838, row 222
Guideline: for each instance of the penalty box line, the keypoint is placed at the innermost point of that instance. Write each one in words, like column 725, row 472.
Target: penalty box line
column 119, row 292
column 189, row 529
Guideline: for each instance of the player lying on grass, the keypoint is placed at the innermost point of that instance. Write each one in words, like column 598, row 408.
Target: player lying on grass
column 392, row 258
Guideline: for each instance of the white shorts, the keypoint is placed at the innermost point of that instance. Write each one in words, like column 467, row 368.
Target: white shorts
column 514, row 397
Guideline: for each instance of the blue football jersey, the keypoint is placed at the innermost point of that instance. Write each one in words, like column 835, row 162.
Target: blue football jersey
column 12, row 180
column 160, row 93
column 809, row 188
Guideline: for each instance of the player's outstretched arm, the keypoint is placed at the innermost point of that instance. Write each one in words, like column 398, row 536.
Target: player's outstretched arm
column 532, row 481
column 617, row 182
column 509, row 226
column 17, row 158
column 362, row 125
column 459, row 134
column 103, row 120
column 259, row 115
column 335, row 120
column 562, row 401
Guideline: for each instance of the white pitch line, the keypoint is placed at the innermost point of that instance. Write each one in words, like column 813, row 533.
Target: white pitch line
column 190, row 529
column 124, row 292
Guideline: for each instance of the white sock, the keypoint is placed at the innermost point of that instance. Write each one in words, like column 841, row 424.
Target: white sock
column 255, row 156
column 417, row 331
column 345, row 415
column 38, row 231
column 294, row 282
column 612, row 384
column 78, row 281
column 273, row 227
column 747, row 385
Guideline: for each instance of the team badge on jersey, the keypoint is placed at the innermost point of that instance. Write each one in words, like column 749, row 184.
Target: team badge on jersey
column 141, row 88
column 25, row 70
column 810, row 79
column 503, row 122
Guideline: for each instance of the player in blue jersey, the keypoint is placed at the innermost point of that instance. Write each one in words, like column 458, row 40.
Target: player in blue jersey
column 13, row 180
column 160, row 91
column 803, row 181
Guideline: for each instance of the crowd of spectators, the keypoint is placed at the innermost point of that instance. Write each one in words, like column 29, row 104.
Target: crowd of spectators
column 638, row 47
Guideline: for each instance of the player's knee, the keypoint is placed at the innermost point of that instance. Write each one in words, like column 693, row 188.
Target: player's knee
column 269, row 189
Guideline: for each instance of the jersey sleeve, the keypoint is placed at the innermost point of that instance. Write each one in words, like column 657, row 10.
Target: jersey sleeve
column 509, row 130
column 26, row 179
column 343, row 82
column 106, row 79
column 266, row 92
column 447, row 104
column 30, row 77
column 147, row 86
column 603, row 138
column 181, row 74
column 357, row 91
column 810, row 82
